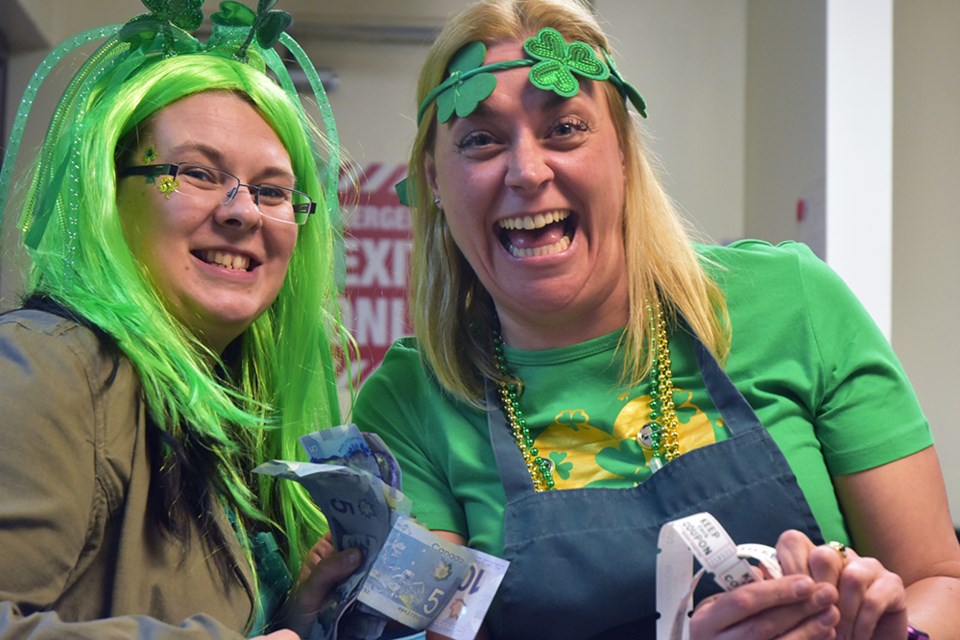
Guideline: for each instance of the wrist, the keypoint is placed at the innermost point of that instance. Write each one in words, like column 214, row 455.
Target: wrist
column 916, row 634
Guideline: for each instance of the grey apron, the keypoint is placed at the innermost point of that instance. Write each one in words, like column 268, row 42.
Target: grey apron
column 583, row 561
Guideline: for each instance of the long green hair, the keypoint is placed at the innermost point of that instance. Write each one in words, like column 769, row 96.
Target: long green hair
column 282, row 383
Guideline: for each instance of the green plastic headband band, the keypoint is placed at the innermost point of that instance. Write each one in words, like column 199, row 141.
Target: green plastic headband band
column 554, row 66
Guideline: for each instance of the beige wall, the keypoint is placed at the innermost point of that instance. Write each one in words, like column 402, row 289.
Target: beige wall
column 926, row 214
column 687, row 58
column 785, row 117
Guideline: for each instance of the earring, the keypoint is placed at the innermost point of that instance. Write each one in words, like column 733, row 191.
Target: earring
column 436, row 201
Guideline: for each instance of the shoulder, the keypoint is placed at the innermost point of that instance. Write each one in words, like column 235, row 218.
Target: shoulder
column 401, row 370
column 402, row 359
column 790, row 271
column 402, row 385
column 745, row 254
column 42, row 344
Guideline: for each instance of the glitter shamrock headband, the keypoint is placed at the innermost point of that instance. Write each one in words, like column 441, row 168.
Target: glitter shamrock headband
column 238, row 33
column 553, row 64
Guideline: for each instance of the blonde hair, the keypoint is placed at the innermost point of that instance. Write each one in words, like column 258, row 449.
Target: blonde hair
column 452, row 313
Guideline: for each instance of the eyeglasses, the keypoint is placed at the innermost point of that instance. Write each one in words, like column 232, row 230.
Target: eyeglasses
column 277, row 203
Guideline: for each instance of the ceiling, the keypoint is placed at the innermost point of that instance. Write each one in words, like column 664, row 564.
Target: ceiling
column 33, row 24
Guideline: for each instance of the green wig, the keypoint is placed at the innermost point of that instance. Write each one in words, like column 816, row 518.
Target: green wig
column 277, row 381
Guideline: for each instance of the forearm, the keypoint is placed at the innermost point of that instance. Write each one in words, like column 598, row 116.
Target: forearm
column 933, row 605
column 47, row 625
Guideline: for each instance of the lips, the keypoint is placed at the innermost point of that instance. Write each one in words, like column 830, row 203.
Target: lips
column 539, row 234
column 227, row 259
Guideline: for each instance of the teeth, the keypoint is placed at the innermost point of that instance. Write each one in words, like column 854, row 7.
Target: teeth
column 537, row 221
column 227, row 260
column 556, row 247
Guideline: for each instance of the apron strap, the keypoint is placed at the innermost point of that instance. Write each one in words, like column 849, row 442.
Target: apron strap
column 736, row 411
column 513, row 469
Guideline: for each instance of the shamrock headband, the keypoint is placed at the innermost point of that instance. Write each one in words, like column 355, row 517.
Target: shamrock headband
column 238, row 33
column 553, row 64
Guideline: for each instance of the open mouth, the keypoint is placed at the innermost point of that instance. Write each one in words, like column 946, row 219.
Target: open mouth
column 542, row 234
column 226, row 260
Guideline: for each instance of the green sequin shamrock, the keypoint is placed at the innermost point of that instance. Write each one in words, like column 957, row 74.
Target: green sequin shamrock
column 173, row 19
column 185, row 14
column 465, row 91
column 559, row 61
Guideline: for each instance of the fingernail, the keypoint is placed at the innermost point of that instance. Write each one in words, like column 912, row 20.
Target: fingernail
column 351, row 556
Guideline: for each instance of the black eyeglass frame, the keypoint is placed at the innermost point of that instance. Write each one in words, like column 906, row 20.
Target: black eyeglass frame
column 173, row 168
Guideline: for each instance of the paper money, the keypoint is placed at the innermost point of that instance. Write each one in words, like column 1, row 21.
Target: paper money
column 463, row 615
column 407, row 574
column 353, row 503
column 342, row 445
column 416, row 574
column 389, row 467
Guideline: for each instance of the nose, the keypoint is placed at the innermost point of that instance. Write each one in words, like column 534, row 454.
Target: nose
column 529, row 166
column 239, row 209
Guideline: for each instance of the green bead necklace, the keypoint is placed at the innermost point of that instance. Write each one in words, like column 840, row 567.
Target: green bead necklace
column 661, row 429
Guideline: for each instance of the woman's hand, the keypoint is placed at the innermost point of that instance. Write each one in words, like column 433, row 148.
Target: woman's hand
column 792, row 607
column 322, row 570
column 873, row 600
column 321, row 550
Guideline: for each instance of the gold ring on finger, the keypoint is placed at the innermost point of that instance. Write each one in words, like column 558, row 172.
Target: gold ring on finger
column 840, row 548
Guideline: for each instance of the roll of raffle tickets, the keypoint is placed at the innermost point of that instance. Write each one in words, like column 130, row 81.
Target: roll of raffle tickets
column 700, row 536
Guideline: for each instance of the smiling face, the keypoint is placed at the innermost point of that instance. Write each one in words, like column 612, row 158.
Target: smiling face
column 218, row 266
column 532, row 188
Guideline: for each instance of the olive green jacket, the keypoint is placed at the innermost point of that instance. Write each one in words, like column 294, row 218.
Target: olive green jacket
column 79, row 555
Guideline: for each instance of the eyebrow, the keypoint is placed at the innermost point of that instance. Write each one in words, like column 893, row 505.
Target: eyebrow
column 551, row 102
column 216, row 157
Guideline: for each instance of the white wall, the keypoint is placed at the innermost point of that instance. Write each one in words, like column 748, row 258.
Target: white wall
column 926, row 215
column 785, row 120
column 687, row 58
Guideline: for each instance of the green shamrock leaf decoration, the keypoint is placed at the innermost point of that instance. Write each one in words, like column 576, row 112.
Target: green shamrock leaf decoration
column 171, row 19
column 626, row 89
column 185, row 14
column 559, row 61
column 234, row 14
column 465, row 91
column 266, row 25
column 622, row 461
column 270, row 24
column 561, row 468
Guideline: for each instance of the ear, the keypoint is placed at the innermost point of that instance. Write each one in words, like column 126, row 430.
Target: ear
column 430, row 172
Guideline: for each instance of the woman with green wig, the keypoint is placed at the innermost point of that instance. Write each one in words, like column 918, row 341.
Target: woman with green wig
column 179, row 328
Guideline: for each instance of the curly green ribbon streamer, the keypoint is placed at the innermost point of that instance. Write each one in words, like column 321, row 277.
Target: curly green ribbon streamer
column 26, row 103
column 129, row 47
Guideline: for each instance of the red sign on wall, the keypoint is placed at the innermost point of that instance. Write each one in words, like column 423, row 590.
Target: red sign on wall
column 377, row 243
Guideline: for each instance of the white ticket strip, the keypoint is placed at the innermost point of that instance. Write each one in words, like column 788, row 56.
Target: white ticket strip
column 700, row 536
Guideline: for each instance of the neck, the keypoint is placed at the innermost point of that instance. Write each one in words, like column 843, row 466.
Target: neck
column 552, row 331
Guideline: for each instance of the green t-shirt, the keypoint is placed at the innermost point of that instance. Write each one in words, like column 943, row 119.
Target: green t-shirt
column 805, row 354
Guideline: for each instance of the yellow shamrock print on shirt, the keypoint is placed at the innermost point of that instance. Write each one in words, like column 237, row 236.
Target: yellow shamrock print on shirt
column 587, row 455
